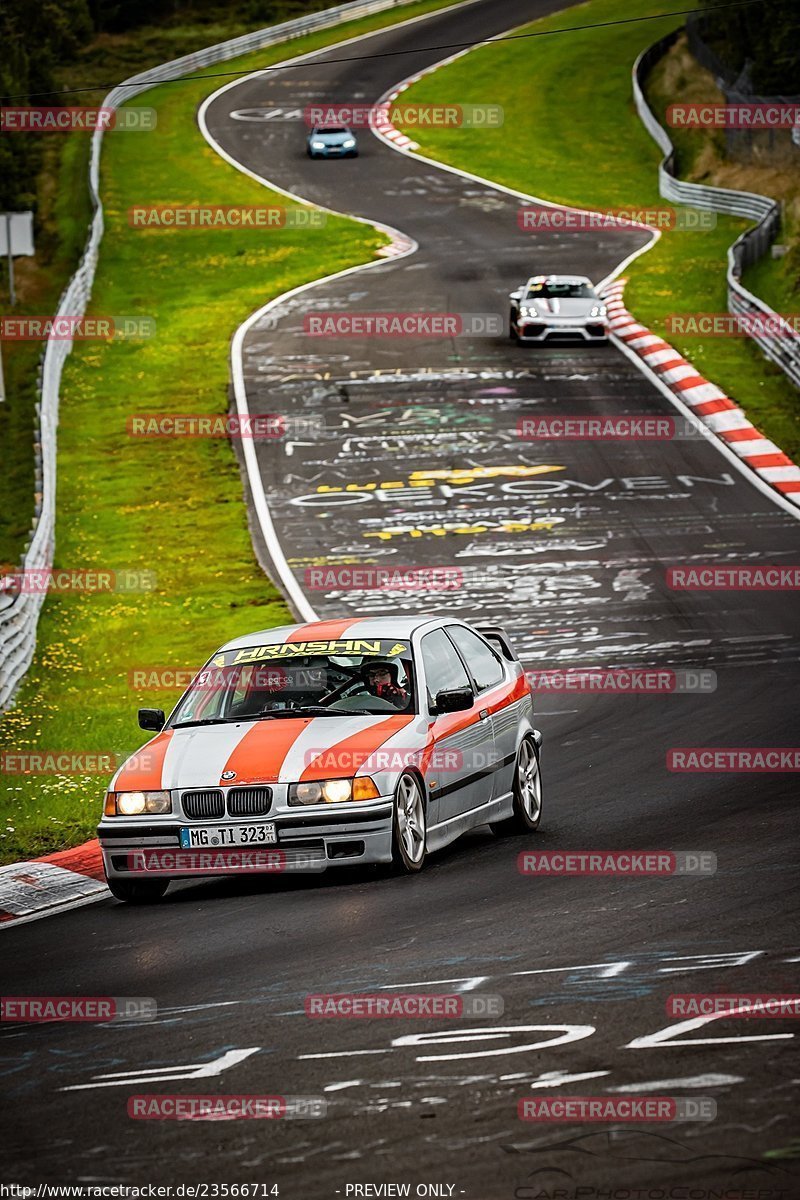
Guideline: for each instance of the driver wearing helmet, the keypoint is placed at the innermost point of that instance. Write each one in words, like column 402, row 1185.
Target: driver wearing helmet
column 380, row 679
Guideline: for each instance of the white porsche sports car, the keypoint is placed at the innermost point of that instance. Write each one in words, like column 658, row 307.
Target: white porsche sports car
column 550, row 306
column 326, row 744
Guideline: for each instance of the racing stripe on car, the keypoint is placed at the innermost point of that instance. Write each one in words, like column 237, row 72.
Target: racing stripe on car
column 327, row 739
column 364, row 627
column 260, row 754
column 320, row 631
column 144, row 770
column 196, row 757
column 346, row 755
column 506, row 694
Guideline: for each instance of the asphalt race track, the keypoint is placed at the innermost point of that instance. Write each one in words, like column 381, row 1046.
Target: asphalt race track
column 566, row 544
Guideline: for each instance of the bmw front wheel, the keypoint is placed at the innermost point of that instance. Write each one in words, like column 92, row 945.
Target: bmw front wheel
column 409, row 827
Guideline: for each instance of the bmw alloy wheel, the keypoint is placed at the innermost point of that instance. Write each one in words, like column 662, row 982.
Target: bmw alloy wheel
column 409, row 834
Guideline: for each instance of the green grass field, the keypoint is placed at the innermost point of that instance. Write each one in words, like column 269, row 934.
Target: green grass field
column 173, row 507
column 571, row 134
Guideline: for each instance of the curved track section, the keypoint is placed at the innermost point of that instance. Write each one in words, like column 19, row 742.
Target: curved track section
column 418, row 460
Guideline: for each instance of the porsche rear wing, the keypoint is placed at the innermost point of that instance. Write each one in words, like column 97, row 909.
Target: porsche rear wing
column 497, row 637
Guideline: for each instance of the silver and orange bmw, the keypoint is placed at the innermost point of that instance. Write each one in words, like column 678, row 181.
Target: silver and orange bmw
column 334, row 743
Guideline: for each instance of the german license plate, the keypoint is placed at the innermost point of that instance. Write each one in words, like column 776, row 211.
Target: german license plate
column 202, row 836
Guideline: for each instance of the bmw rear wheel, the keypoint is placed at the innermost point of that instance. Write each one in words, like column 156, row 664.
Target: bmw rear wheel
column 409, row 826
column 527, row 792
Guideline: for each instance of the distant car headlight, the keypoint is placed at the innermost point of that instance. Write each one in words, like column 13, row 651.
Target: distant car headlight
column 348, row 143
column 133, row 804
column 317, row 145
column 526, row 312
column 333, row 791
column 598, row 311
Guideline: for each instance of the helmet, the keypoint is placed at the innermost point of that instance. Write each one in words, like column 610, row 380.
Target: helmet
column 385, row 664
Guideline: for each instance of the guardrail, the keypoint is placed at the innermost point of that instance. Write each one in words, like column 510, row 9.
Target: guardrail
column 19, row 613
column 782, row 347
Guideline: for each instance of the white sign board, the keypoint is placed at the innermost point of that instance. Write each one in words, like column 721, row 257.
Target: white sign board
column 21, row 233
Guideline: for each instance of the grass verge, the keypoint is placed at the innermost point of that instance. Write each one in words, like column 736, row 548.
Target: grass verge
column 572, row 135
column 171, row 507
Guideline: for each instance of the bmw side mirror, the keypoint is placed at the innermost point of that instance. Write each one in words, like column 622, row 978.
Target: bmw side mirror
column 454, row 700
column 152, row 718
column 515, row 295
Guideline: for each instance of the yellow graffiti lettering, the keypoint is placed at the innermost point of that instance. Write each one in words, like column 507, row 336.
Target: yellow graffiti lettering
column 470, row 474
column 416, row 531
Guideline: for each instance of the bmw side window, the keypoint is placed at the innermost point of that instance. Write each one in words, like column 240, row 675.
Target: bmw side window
column 443, row 668
column 486, row 668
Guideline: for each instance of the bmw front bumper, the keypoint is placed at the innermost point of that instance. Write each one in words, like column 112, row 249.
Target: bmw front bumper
column 309, row 839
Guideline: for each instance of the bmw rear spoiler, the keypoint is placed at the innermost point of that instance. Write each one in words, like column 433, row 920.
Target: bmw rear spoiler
column 498, row 638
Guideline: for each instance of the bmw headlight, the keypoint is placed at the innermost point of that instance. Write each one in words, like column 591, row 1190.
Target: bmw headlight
column 332, row 791
column 134, row 804
column 317, row 145
column 348, row 143
column 525, row 311
column 598, row 310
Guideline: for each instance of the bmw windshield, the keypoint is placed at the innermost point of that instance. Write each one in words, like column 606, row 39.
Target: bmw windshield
column 265, row 682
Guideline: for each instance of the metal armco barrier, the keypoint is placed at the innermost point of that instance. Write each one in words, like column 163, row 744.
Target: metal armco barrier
column 783, row 349
column 19, row 614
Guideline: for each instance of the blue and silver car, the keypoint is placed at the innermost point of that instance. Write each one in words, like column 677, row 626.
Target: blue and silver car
column 332, row 141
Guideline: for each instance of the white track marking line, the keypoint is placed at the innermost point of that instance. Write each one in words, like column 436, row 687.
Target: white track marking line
column 691, row 1081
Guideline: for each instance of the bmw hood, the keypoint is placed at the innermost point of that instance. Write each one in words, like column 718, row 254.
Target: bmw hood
column 266, row 751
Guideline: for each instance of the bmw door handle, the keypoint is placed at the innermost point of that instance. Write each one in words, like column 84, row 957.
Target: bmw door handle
column 483, row 714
